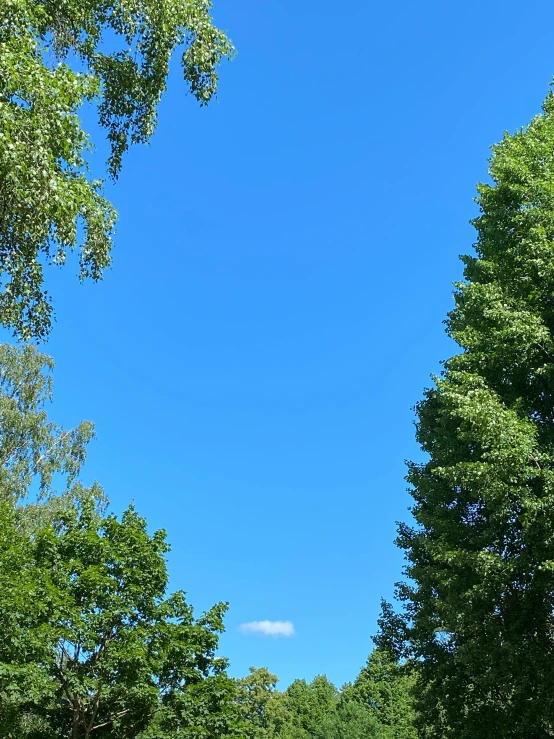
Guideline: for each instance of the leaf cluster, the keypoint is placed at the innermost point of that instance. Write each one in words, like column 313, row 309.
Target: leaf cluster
column 56, row 56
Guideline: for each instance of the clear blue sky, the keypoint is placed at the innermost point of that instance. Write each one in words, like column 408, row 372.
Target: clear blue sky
column 283, row 265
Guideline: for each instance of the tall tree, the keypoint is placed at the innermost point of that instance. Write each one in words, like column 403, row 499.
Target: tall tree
column 56, row 55
column 480, row 596
column 92, row 646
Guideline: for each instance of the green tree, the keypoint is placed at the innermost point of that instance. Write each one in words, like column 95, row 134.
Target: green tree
column 317, row 710
column 39, row 460
column 255, row 692
column 479, row 601
column 384, row 689
column 55, row 56
column 311, row 705
column 304, row 710
column 93, row 646
column 353, row 720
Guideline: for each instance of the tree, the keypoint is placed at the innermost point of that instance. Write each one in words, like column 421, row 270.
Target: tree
column 353, row 720
column 317, row 710
column 310, row 706
column 384, row 689
column 479, row 602
column 255, row 692
column 92, row 646
column 304, row 710
column 37, row 456
column 55, row 56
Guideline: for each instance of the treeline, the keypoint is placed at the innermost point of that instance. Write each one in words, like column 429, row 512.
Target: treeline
column 92, row 641
column 378, row 704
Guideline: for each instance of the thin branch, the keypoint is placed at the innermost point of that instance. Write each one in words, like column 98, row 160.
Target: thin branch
column 112, row 719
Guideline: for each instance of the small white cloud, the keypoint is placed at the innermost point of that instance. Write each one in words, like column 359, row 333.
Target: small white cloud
column 268, row 628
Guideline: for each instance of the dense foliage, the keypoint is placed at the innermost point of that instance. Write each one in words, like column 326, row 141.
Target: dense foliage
column 377, row 704
column 55, row 56
column 479, row 603
column 92, row 646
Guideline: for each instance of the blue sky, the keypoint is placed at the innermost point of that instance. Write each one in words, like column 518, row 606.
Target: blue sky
column 283, row 266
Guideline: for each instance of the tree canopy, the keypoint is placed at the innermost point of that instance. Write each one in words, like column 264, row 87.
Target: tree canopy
column 377, row 704
column 479, row 601
column 384, row 687
column 56, row 56
column 93, row 646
